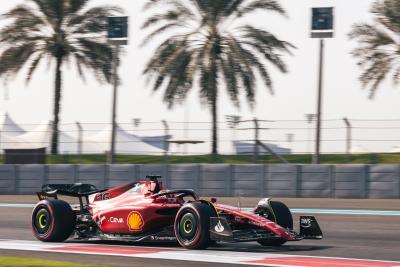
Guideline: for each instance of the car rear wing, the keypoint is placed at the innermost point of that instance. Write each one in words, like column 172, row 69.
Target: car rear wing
column 78, row 190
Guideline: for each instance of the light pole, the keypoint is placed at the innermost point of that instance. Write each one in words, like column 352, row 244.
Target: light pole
column 290, row 138
column 233, row 121
column 117, row 36
column 256, row 150
column 310, row 119
column 136, row 123
column 348, row 137
column 166, row 137
column 80, row 138
column 322, row 27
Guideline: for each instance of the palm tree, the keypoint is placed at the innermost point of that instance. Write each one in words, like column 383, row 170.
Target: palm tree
column 378, row 53
column 61, row 31
column 208, row 45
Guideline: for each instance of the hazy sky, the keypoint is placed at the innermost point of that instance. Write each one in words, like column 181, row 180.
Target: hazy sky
column 295, row 92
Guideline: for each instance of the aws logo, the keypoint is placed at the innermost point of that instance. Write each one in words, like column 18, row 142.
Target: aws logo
column 135, row 221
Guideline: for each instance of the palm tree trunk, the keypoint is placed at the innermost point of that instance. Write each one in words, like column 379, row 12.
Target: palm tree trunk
column 57, row 100
column 214, row 124
column 214, row 91
column 214, row 103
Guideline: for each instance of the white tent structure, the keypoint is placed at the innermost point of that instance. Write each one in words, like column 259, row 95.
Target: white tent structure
column 8, row 127
column 125, row 143
column 156, row 141
column 12, row 136
column 40, row 137
column 9, row 130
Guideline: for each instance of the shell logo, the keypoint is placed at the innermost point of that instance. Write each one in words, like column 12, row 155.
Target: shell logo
column 135, row 221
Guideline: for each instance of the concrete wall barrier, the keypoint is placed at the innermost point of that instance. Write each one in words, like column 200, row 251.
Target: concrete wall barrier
column 7, row 179
column 383, row 181
column 258, row 180
column 349, row 181
column 215, row 180
column 316, row 181
column 281, row 180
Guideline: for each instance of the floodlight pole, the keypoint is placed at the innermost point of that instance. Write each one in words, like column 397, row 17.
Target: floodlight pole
column 348, row 137
column 256, row 140
column 111, row 156
column 136, row 123
column 166, row 137
column 80, row 138
column 317, row 156
column 233, row 122
column 310, row 119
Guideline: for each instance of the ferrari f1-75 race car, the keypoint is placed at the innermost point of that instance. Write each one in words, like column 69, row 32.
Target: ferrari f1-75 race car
column 144, row 211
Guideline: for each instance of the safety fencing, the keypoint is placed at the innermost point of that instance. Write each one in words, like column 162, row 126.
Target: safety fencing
column 258, row 180
column 236, row 135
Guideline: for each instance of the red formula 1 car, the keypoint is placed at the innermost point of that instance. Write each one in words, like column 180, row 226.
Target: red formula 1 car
column 143, row 211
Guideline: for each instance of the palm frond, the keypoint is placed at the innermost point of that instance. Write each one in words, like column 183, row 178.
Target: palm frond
column 378, row 50
column 74, row 6
column 33, row 65
column 230, row 72
column 259, row 5
column 246, row 72
column 171, row 16
column 160, row 30
column 98, row 57
column 14, row 59
column 93, row 20
column 387, row 13
column 53, row 11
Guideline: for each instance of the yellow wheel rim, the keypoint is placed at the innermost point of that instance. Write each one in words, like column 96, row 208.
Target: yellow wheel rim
column 187, row 226
column 42, row 221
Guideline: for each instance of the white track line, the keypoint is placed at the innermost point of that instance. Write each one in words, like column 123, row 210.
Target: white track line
column 163, row 253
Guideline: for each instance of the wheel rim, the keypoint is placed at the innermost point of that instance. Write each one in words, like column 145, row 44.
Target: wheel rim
column 187, row 228
column 42, row 221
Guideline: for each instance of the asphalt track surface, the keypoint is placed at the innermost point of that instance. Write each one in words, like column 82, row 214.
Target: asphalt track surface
column 346, row 236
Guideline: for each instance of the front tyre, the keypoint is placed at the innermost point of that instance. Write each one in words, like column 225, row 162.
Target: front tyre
column 53, row 220
column 192, row 224
column 282, row 216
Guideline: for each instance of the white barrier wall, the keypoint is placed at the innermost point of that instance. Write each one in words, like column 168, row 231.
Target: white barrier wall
column 275, row 180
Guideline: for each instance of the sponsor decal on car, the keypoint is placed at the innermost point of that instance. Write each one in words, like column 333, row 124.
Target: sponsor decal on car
column 162, row 238
column 135, row 221
column 116, row 220
column 258, row 224
column 219, row 228
column 305, row 222
column 101, row 220
column 103, row 196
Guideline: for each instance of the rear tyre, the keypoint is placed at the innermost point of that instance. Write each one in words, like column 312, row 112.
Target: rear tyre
column 53, row 220
column 192, row 224
column 283, row 217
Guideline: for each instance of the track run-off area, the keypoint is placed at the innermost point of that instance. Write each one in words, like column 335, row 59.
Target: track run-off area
column 356, row 233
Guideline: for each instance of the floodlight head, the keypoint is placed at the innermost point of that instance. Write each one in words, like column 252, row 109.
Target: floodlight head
column 117, row 30
column 322, row 22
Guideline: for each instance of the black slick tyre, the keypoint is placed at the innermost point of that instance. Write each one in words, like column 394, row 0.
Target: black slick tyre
column 53, row 220
column 283, row 217
column 192, row 224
